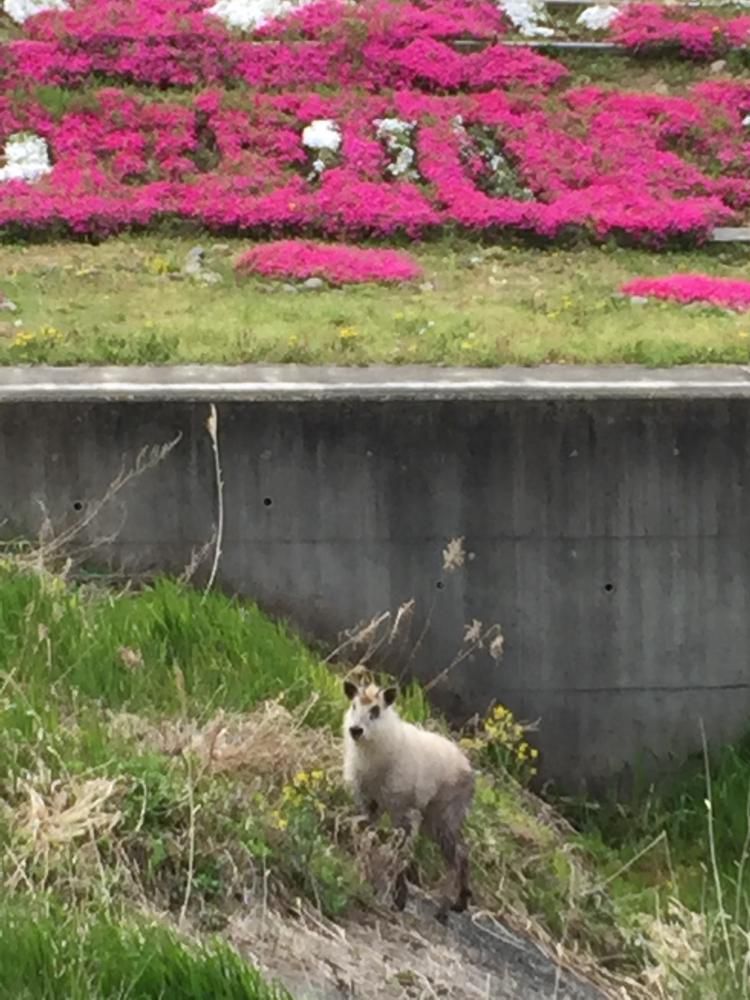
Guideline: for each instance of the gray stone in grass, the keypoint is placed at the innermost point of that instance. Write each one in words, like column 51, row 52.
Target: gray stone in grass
column 194, row 261
column 292, row 289
column 7, row 305
column 313, row 284
column 638, row 300
column 195, row 267
column 427, row 286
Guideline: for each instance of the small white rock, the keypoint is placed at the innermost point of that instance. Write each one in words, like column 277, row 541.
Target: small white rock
column 248, row 14
column 526, row 16
column 26, row 158
column 598, row 18
column 323, row 133
column 313, row 284
column 21, row 10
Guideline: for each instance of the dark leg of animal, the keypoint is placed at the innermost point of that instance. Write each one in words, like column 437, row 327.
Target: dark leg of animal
column 456, row 854
column 369, row 812
column 462, row 870
column 412, row 872
column 444, row 823
column 401, row 888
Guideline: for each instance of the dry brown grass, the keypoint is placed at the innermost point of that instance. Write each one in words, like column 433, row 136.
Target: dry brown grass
column 270, row 742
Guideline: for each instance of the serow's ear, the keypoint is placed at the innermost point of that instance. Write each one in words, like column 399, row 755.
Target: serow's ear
column 389, row 695
column 350, row 690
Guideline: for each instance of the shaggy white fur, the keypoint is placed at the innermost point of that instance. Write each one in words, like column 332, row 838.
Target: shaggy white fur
column 400, row 765
column 393, row 766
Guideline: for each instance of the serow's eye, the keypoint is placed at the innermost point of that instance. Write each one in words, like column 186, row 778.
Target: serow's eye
column 375, row 712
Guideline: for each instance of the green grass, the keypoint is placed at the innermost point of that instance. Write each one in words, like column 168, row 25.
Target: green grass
column 108, row 702
column 225, row 653
column 48, row 953
column 110, row 705
column 120, row 303
column 680, row 850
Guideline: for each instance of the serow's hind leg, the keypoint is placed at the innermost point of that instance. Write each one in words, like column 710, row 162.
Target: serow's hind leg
column 462, row 871
column 401, row 891
column 456, row 853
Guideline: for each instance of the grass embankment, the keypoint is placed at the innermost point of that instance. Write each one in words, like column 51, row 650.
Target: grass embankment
column 676, row 860
column 167, row 761
column 47, row 953
column 125, row 302
column 162, row 754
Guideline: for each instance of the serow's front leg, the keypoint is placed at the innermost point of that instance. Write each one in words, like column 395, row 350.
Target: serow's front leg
column 369, row 812
column 406, row 826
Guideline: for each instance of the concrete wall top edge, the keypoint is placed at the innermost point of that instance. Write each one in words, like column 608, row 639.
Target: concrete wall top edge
column 295, row 382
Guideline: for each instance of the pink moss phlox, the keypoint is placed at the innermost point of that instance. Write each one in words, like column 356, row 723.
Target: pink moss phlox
column 695, row 34
column 340, row 265
column 727, row 293
column 127, row 160
column 644, row 166
column 376, row 43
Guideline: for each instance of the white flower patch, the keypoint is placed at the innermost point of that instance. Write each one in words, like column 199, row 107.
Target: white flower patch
column 21, row 10
column 324, row 136
column 397, row 136
column 323, row 133
column 26, row 158
column 248, row 14
column 598, row 18
column 746, row 121
column 526, row 16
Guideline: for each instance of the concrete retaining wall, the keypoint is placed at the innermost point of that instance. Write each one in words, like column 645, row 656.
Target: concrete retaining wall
column 605, row 519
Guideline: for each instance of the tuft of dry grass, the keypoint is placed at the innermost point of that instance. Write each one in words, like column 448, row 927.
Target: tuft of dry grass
column 67, row 812
column 270, row 742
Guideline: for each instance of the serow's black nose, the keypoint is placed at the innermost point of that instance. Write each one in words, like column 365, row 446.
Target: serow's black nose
column 355, row 732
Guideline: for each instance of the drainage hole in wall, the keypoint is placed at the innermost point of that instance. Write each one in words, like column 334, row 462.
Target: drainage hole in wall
column 440, row 585
column 609, row 587
column 77, row 505
column 267, row 501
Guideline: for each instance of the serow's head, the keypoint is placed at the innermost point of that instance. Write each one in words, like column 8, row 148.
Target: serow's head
column 368, row 710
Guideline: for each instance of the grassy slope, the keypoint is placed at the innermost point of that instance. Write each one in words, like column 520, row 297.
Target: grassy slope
column 119, row 303
column 47, row 954
column 144, row 769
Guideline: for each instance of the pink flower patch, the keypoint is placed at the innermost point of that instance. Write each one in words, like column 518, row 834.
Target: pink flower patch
column 729, row 293
column 341, row 265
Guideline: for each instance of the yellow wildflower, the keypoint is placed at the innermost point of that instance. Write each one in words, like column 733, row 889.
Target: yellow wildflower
column 279, row 821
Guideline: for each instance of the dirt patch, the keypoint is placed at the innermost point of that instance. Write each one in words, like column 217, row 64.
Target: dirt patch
column 384, row 955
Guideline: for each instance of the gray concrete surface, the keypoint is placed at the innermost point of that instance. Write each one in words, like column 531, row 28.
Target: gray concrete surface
column 249, row 383
column 605, row 518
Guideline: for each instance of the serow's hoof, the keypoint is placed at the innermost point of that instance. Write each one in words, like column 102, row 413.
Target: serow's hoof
column 462, row 902
column 400, row 895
